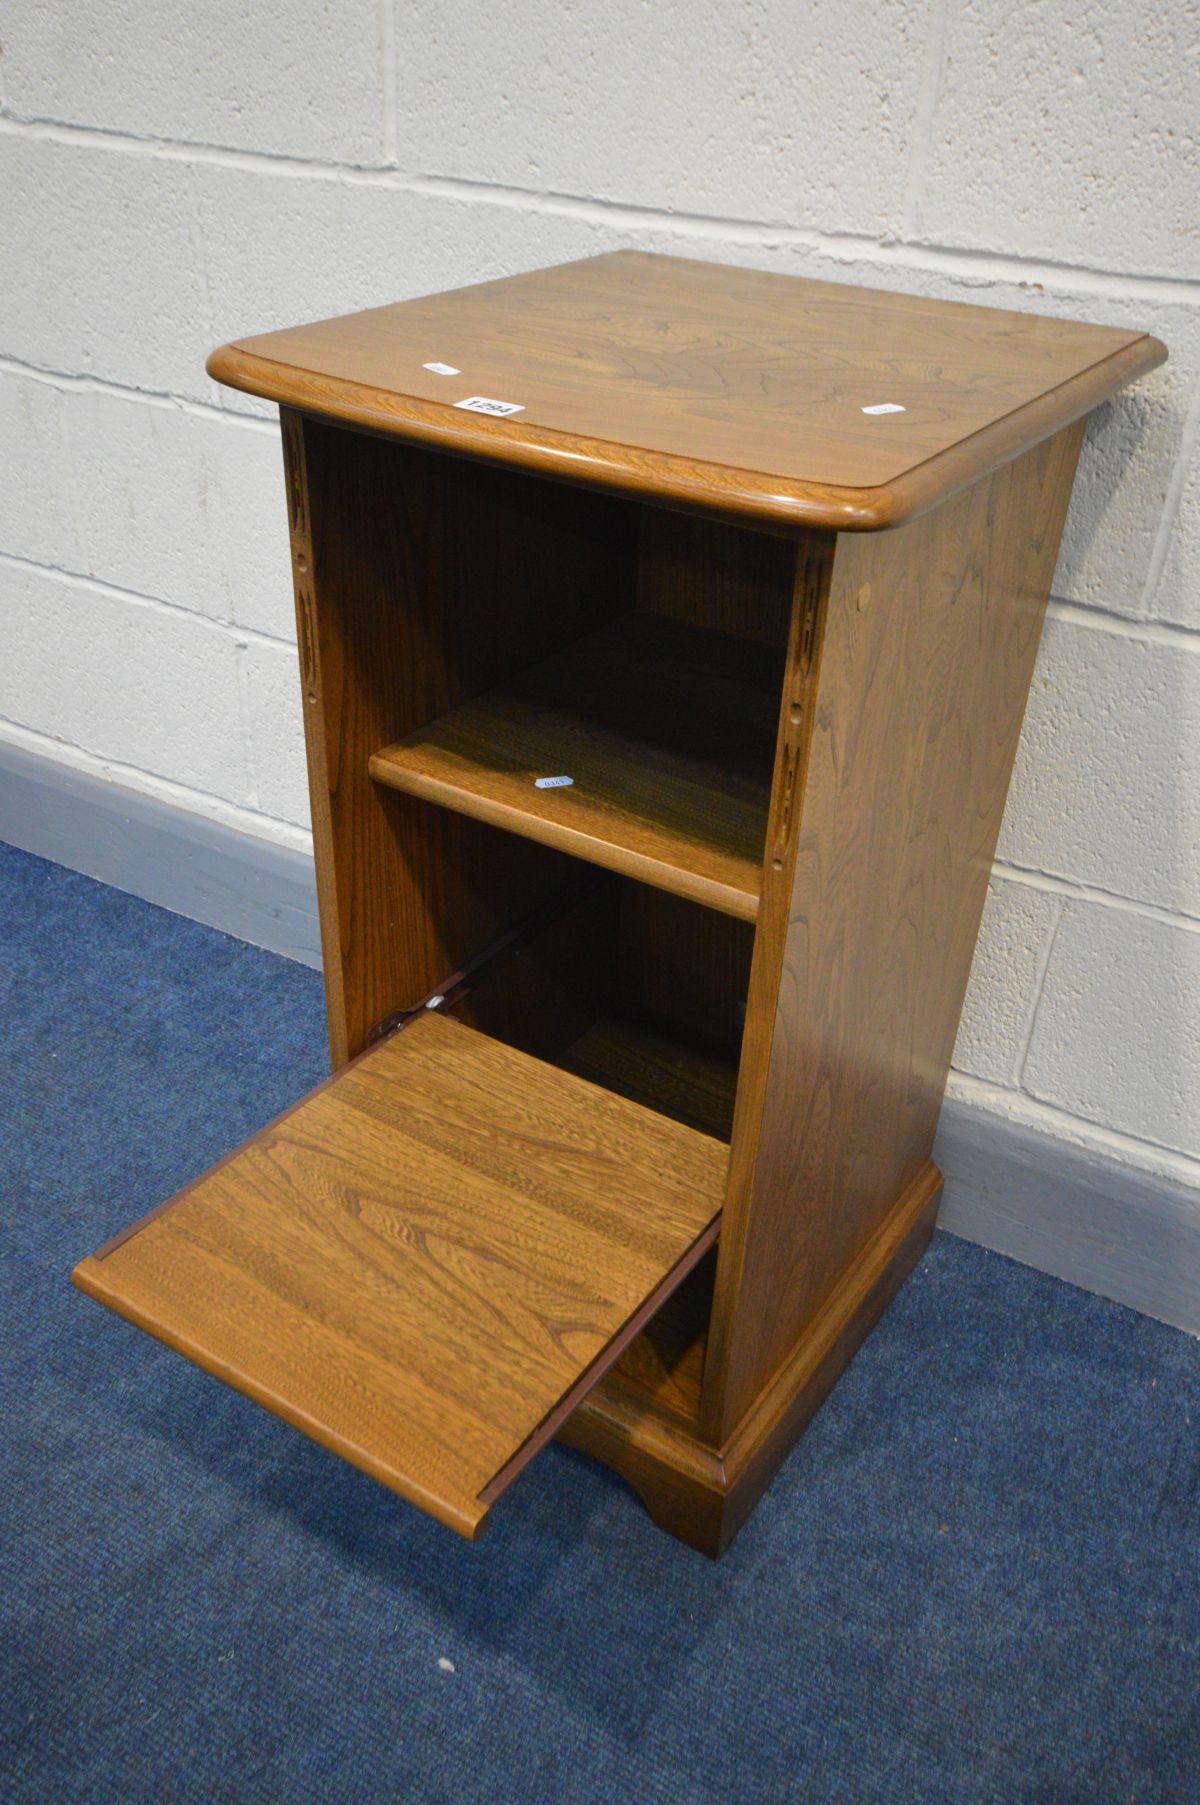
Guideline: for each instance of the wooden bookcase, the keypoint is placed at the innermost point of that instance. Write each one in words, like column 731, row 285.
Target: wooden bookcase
column 636, row 1076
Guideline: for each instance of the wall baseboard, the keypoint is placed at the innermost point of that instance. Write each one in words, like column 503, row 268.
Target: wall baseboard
column 1129, row 1235
column 247, row 887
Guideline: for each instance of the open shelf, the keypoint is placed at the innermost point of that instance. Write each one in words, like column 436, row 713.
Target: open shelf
column 627, row 987
column 667, row 731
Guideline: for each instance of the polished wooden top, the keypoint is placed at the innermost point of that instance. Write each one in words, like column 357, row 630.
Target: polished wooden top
column 704, row 385
column 428, row 1261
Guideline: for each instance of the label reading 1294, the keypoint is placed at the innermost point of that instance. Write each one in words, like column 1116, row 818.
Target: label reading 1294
column 483, row 404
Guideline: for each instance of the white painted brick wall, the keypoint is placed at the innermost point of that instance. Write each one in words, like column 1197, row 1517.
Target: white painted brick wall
column 102, row 271
column 1107, row 784
column 1069, row 131
column 657, row 107
column 183, row 506
column 37, row 515
column 126, row 681
column 1117, row 1037
column 171, row 176
column 289, row 76
column 1010, row 959
column 274, row 729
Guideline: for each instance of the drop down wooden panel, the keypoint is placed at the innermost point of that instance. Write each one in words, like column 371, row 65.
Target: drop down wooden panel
column 427, row 1262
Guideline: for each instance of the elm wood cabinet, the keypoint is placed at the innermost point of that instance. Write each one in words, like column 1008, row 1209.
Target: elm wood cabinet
column 636, row 1076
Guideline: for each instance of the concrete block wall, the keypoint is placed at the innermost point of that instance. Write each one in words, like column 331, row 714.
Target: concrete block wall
column 171, row 176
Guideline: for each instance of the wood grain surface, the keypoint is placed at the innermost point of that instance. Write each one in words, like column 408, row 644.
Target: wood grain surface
column 712, row 574
column 427, row 1260
column 666, row 1075
column 918, row 687
column 708, row 386
column 660, row 1373
column 682, row 969
column 667, row 734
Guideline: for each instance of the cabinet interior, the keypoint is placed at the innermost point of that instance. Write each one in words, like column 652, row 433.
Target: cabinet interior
column 605, row 925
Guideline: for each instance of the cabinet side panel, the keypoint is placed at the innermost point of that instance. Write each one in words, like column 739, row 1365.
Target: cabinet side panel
column 296, row 487
column 811, row 577
column 928, row 649
column 420, row 581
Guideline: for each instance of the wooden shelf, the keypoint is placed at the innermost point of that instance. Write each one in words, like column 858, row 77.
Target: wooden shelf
column 428, row 1261
column 667, row 731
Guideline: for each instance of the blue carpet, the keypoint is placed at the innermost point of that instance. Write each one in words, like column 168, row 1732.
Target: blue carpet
column 975, row 1580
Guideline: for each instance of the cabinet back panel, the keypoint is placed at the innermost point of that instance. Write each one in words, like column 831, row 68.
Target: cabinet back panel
column 711, row 574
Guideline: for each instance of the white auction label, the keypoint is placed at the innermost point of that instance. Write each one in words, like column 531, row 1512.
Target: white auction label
column 442, row 369
column 483, row 404
column 553, row 783
column 885, row 407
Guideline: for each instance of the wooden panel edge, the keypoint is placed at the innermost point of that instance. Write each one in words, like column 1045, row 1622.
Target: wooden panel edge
column 815, row 562
column 570, row 1401
column 665, row 477
column 300, row 539
column 466, row 1516
column 609, row 855
column 746, row 495
column 927, row 485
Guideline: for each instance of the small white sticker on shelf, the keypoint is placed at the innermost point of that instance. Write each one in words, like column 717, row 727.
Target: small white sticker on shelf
column 483, row 404
column 884, row 407
column 553, row 783
column 442, row 369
